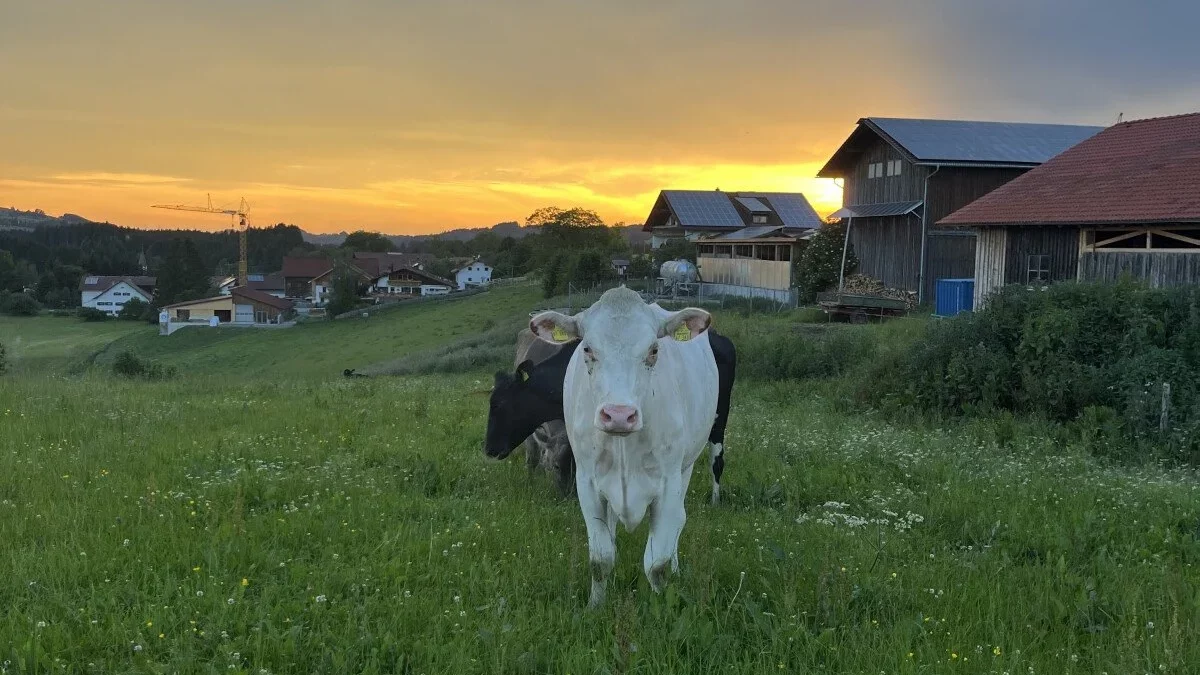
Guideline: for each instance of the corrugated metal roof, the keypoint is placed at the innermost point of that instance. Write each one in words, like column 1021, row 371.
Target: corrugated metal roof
column 876, row 210
column 983, row 142
column 753, row 232
column 753, row 205
column 702, row 208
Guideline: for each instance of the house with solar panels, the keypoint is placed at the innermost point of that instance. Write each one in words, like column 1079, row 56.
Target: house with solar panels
column 900, row 176
column 745, row 241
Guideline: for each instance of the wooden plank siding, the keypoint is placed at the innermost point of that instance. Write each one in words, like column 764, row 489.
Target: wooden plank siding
column 949, row 255
column 771, row 274
column 991, row 246
column 859, row 189
column 1158, row 268
column 1060, row 243
column 888, row 249
column 952, row 188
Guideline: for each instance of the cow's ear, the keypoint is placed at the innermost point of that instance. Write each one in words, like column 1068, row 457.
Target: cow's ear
column 693, row 320
column 524, row 370
column 554, row 327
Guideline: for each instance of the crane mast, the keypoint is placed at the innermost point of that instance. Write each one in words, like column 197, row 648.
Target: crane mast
column 239, row 217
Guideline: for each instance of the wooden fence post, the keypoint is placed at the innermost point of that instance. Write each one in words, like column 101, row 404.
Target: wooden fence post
column 1164, row 417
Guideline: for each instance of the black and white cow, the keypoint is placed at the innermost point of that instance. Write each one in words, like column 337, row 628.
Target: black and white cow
column 525, row 400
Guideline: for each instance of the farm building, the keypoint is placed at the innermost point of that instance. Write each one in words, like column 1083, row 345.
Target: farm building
column 244, row 306
column 1125, row 201
column 472, row 275
column 903, row 175
column 691, row 214
column 751, row 262
column 110, row 293
column 299, row 272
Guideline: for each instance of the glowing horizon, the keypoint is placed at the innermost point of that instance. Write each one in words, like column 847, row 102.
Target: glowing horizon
column 423, row 116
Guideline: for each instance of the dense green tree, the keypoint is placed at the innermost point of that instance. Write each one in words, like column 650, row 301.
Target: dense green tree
column 642, row 267
column 554, row 274
column 817, row 268
column 591, row 268
column 346, row 290
column 183, row 276
column 674, row 249
column 21, row 304
column 134, row 309
column 368, row 241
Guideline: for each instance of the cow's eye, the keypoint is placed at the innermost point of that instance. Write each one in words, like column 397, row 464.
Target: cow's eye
column 652, row 356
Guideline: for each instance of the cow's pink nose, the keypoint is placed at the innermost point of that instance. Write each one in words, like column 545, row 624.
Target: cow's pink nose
column 619, row 418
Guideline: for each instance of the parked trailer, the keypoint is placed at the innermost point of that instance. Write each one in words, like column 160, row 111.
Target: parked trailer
column 860, row 308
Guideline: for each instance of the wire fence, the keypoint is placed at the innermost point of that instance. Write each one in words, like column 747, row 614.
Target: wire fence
column 700, row 294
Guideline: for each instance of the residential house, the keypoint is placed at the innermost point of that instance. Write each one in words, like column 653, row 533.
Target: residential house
column 900, row 176
column 409, row 281
column 620, row 266
column 243, row 306
column 110, row 293
column 299, row 273
column 1121, row 202
column 692, row 214
column 473, row 274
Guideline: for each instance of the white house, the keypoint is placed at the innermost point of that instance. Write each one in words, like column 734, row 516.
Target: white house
column 411, row 281
column 110, row 293
column 476, row 273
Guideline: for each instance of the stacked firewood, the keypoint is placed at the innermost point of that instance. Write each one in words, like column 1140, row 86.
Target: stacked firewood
column 861, row 284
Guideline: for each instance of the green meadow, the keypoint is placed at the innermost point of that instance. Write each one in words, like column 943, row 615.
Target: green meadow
column 260, row 513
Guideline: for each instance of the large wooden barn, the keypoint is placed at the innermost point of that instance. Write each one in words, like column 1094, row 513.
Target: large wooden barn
column 902, row 175
column 1126, row 201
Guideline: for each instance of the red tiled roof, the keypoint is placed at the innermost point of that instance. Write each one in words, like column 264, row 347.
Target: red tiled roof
column 305, row 268
column 1144, row 171
column 260, row 297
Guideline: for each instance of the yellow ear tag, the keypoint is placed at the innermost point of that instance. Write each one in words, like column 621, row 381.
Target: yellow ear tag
column 559, row 334
column 682, row 333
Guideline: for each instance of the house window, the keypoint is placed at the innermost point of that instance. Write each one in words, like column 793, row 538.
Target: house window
column 759, row 219
column 183, row 314
column 1038, row 269
column 893, row 167
column 899, row 163
column 871, row 170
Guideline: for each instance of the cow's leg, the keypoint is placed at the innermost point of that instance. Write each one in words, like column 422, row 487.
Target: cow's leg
column 565, row 466
column 716, row 455
column 602, row 538
column 662, row 546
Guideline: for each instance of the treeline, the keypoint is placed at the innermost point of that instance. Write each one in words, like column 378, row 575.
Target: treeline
column 50, row 261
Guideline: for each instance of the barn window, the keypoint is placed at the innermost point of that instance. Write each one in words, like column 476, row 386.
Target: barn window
column 891, row 168
column 1039, row 269
column 764, row 252
column 743, row 251
column 706, row 249
column 785, row 253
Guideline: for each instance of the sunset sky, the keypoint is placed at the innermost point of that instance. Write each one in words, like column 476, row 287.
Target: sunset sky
column 407, row 116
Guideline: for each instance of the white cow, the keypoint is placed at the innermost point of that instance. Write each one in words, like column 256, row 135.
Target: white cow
column 638, row 406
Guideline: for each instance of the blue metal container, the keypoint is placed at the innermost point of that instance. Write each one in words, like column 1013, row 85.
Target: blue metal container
column 953, row 296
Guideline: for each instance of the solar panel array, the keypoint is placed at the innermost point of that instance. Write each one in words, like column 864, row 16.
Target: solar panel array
column 754, row 205
column 793, row 209
column 701, row 208
column 999, row 142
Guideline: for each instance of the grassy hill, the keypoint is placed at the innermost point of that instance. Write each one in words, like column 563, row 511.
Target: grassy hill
column 261, row 513
column 322, row 349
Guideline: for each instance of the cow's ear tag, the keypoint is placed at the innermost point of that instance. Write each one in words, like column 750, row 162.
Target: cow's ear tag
column 559, row 334
column 683, row 334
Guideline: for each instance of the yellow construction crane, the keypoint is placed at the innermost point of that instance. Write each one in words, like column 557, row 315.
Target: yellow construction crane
column 239, row 217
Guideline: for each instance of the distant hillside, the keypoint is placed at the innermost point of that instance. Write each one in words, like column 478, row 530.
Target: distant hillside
column 16, row 219
column 633, row 234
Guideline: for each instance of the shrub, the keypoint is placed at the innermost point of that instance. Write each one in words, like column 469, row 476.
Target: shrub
column 21, row 304
column 134, row 310
column 817, row 268
column 1094, row 358
column 127, row 364
column 92, row 314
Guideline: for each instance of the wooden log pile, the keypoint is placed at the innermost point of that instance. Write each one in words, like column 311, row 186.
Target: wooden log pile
column 861, row 284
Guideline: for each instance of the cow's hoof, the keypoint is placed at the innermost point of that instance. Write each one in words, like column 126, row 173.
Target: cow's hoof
column 596, row 599
column 716, row 494
column 658, row 574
